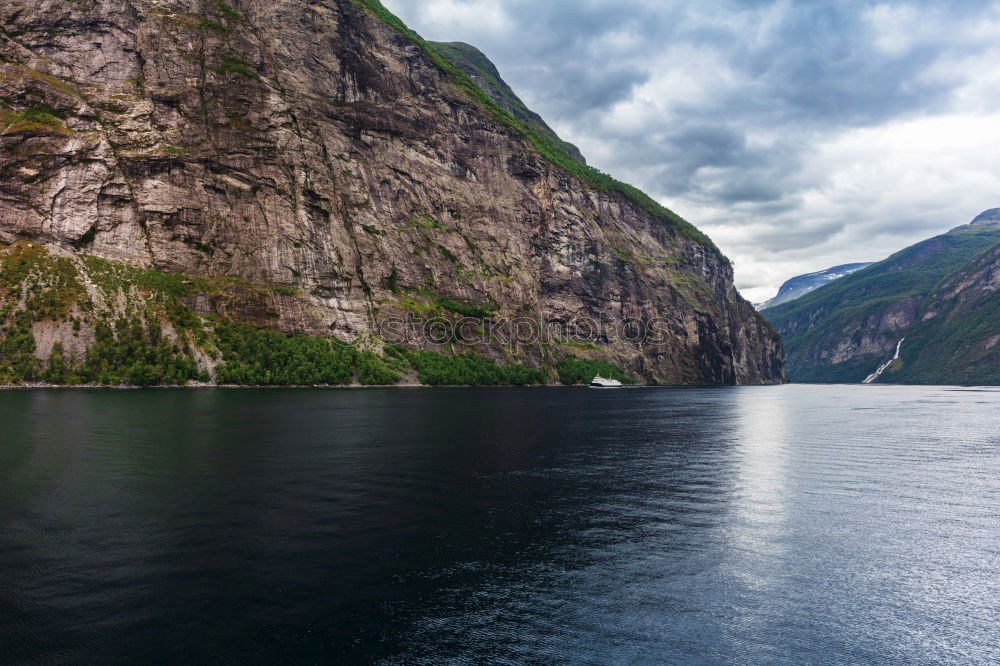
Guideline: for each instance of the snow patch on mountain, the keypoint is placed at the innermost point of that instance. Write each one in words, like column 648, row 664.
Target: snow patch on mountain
column 803, row 284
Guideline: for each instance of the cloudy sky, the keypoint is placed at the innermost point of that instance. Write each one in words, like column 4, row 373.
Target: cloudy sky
column 799, row 135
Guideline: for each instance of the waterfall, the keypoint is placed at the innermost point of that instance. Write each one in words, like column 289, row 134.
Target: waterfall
column 882, row 368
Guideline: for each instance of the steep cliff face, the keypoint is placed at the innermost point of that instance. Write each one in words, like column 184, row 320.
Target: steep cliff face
column 323, row 156
column 940, row 297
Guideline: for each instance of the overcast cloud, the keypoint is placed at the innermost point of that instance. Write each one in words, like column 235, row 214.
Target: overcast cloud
column 799, row 135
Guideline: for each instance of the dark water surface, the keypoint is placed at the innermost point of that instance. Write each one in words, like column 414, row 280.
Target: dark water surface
column 782, row 525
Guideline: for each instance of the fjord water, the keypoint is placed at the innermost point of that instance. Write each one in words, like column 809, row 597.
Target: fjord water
column 779, row 525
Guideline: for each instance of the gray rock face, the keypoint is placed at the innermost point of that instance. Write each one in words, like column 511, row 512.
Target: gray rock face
column 311, row 147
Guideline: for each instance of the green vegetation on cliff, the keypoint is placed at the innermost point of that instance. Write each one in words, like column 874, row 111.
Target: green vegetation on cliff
column 575, row 371
column 470, row 370
column 252, row 356
column 133, row 352
column 36, row 121
column 17, row 346
column 120, row 325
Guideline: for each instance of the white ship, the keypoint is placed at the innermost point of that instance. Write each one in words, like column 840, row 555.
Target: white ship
column 602, row 382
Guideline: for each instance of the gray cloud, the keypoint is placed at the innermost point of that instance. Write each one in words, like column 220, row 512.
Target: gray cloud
column 800, row 236
column 753, row 118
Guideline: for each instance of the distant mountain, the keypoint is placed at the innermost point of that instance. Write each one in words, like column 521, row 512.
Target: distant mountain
column 929, row 314
column 803, row 284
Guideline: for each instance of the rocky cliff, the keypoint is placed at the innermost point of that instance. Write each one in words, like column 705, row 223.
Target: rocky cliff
column 337, row 177
column 940, row 298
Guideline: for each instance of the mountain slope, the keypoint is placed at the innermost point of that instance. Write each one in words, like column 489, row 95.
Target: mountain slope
column 803, row 284
column 474, row 62
column 356, row 182
column 940, row 296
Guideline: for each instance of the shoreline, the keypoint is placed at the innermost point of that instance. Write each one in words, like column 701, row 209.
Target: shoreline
column 408, row 385
column 132, row 387
column 37, row 386
column 162, row 387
